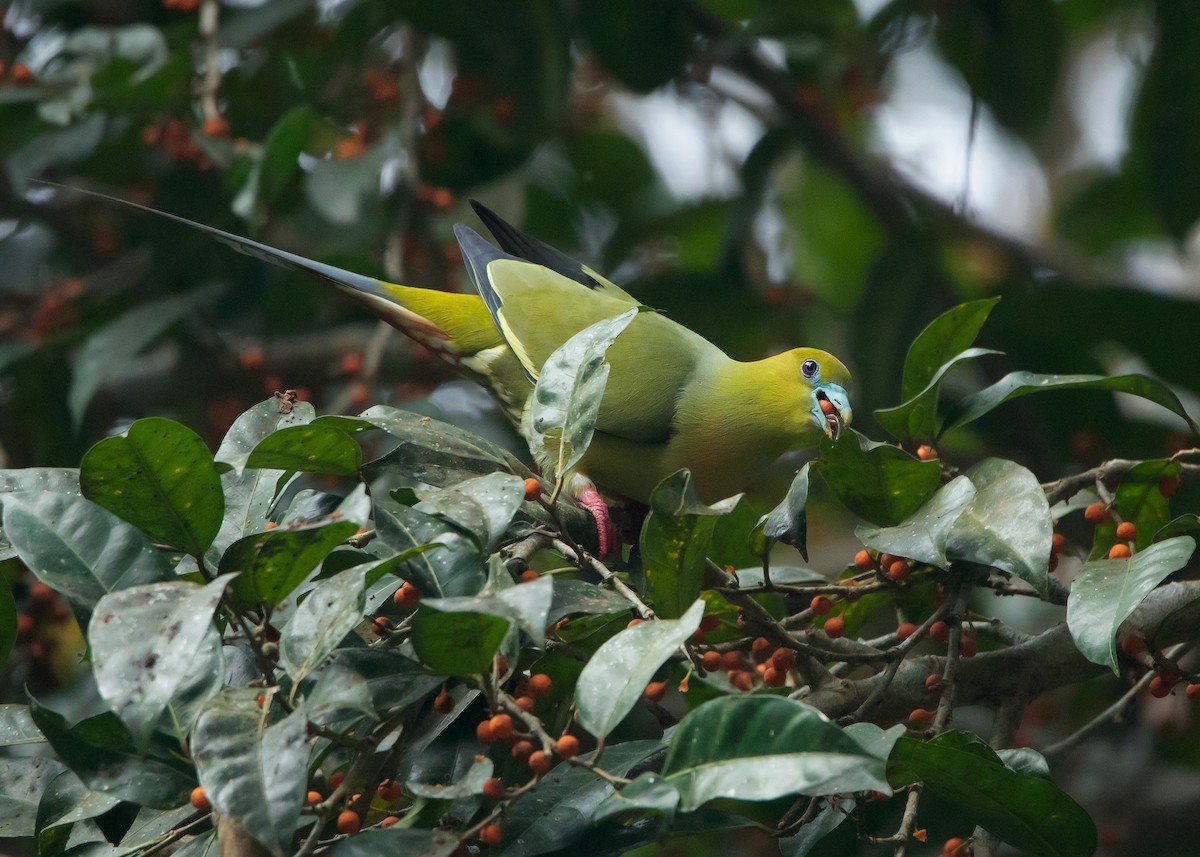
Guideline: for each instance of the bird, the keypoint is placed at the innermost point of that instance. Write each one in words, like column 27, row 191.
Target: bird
column 673, row 399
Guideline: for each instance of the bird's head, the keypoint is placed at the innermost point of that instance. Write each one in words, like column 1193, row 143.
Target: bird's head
column 824, row 379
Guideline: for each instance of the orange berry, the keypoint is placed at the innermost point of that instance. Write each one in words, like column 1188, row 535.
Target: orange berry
column 251, row 359
column 490, row 834
column 336, row 779
column 1168, row 486
column 899, row 571
column 920, row 717
column 827, row 407
column 1193, row 691
column 1127, row 531
column 493, row 789
column 522, row 750
column 540, row 762
column 925, row 452
column 1160, row 686
column 905, row 630
column 634, row 622
column 953, row 845
column 21, row 75
column 406, row 596
column 501, row 664
column 200, row 799
column 525, row 703
column 733, row 660
column 25, row 626
column 655, row 691
column 313, row 797
column 967, row 646
column 711, row 661
column 502, row 727
column 1133, row 645
column 835, row 626
column 389, row 790
column 1097, row 513
column 529, row 575
column 539, row 684
column 348, row 822
column 760, row 647
column 886, row 560
column 483, row 732
column 216, row 126
column 382, row 626
column 567, row 746
column 773, row 677
column 41, row 593
column 1119, row 551
column 863, row 560
column 783, row 659
column 933, row 682
column 741, row 679
column 939, row 631
column 820, row 605
column 1057, row 542
column 443, row 703
column 388, row 821
column 533, row 488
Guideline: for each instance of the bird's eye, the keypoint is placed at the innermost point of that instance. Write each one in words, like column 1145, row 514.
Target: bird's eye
column 809, row 368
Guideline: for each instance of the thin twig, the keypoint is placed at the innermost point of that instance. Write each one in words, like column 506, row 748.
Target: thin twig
column 583, row 558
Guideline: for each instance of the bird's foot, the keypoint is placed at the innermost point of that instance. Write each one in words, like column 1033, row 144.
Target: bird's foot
column 608, row 535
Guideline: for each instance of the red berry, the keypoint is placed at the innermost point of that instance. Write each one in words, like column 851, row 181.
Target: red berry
column 388, row 821
column 967, row 647
column 406, row 596
column 41, row 593
column 863, row 560
column 742, row 679
column 540, row 762
column 1193, row 691
column 1057, row 542
column 655, row 691
column 348, row 822
column 939, row 631
column 502, row 727
column 920, row 717
column 567, row 746
column 313, row 797
column 905, row 630
column 200, row 799
column 525, row 703
column 773, row 677
column 1127, row 531
column 1133, row 645
column 733, row 660
column 389, row 791
column 382, row 626
column 925, row 452
column 820, row 605
column 522, row 750
column 493, row 789
column 539, row 684
column 899, row 571
column 490, row 834
column 953, row 846
column 336, row 779
column 533, row 488
column 933, row 682
column 1119, row 551
column 483, row 732
column 1168, row 486
column 783, row 659
column 711, row 661
column 835, row 626
column 760, row 647
column 529, row 575
column 1160, row 687
column 1097, row 513
column 25, row 626
column 886, row 560
column 443, row 703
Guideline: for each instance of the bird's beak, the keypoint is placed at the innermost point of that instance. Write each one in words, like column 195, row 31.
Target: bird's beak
column 831, row 409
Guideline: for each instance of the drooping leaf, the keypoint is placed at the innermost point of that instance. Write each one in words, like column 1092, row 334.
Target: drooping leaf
column 331, row 611
column 760, row 747
column 566, row 398
column 1106, row 592
column 311, row 448
column 876, row 481
column 159, row 477
column 79, row 549
column 1017, row 384
column 922, row 536
column 1028, row 812
column 453, row 567
column 275, row 562
column 252, row 772
column 917, row 417
column 788, row 522
column 393, row 679
column 614, row 678
column 1006, row 524
column 144, row 644
column 66, row 802
column 674, row 543
column 950, row 334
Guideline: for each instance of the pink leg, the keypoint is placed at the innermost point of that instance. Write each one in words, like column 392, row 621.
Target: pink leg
column 609, row 536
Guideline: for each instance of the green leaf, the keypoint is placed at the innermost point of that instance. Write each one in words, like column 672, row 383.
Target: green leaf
column 22, row 783
column 396, row 841
column 453, row 567
column 649, row 792
column 788, row 522
column 16, row 727
column 876, row 481
column 1025, row 760
column 642, row 44
column 1017, row 384
column 253, row 773
column 810, row 835
column 257, row 424
column 1006, row 524
column 308, row 449
column 917, row 417
column 578, row 596
column 281, row 151
column 56, row 480
column 484, row 506
column 274, row 563
column 615, row 677
column 332, row 610
column 65, row 802
column 470, row 784
column 922, row 536
column 674, row 543
column 144, row 645
column 392, row 679
column 950, row 334
column 1139, row 501
column 101, row 751
column 1028, row 812
column 79, row 549
column 760, row 747
column 160, row 478
column 457, row 643
column 107, row 351
column 566, row 399
column 8, row 621
column 1107, row 591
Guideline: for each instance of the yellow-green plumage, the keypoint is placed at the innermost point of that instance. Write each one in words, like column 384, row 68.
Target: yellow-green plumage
column 673, row 399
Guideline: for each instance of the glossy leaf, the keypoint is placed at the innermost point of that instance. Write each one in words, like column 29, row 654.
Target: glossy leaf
column 470, row 784
column 393, row 679
column 273, row 563
column 615, row 677
column 79, row 549
column 159, row 477
column 332, row 610
column 1028, row 812
column 253, row 773
column 453, row 567
column 56, row 480
column 397, row 841
column 876, row 481
column 66, row 802
column 649, row 792
column 566, row 398
column 1107, row 591
column 917, row 417
column 1006, row 524
column 788, row 522
column 674, row 542
column 948, row 335
column 308, row 449
column 257, row 424
column 810, row 835
column 578, row 596
column 145, row 642
column 922, row 536
column 457, row 643
column 760, row 747
column 22, row 783
column 1017, row 384
column 16, row 727
column 1139, row 501
column 483, row 506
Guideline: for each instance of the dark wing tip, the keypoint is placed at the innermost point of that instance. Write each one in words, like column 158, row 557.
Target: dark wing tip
column 518, row 243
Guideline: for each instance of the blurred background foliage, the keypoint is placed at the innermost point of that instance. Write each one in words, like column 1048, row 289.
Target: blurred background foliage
column 828, row 172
